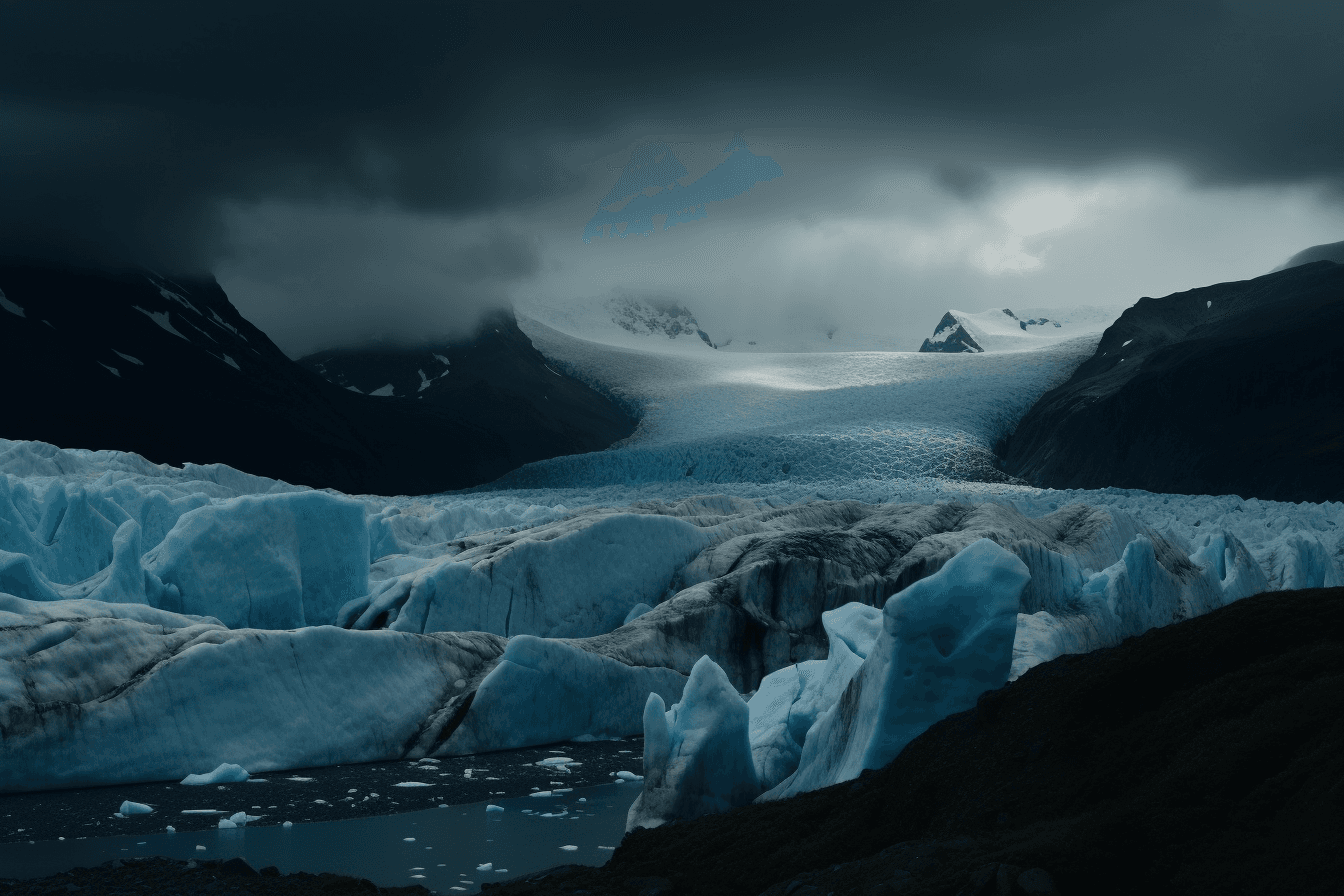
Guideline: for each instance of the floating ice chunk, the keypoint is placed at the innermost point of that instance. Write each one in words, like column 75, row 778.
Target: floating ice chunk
column 287, row 825
column 408, row 839
column 242, row 818
column 555, row 760
column 224, row 773
column 697, row 756
column 606, row 847
column 412, row 784
column 200, row 848
column 541, row 793
column 227, row 824
column 486, row 867
column 569, row 848
column 493, row 808
column 629, row 776
column 945, row 640
column 130, row 808
column 202, row 811
column 171, row 829
column 299, row 779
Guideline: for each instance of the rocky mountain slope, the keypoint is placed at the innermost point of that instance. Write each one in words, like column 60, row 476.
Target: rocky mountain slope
column 498, row 376
column 170, row 370
column 1002, row 330
column 1228, row 389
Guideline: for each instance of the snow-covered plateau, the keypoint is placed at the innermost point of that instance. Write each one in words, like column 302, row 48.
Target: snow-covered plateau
column 817, row 534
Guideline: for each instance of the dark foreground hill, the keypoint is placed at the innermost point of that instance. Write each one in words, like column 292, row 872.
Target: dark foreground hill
column 1236, row 388
column 170, row 370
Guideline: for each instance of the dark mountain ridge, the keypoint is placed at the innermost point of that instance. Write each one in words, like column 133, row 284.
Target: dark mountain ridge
column 534, row 408
column 1324, row 252
column 168, row 368
column 1236, row 388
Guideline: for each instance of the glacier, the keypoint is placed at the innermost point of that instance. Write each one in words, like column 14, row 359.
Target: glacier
column 159, row 621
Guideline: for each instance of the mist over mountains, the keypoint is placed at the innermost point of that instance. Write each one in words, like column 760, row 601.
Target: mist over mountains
column 168, row 368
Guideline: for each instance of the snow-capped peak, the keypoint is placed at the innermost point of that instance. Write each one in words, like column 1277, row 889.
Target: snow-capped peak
column 999, row 330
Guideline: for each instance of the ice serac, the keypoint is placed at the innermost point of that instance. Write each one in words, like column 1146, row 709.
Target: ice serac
column 266, row 562
column 945, row 640
column 790, row 699
column 93, row 693
column 545, row 691
column 570, row 578
column 697, row 756
column 1148, row 587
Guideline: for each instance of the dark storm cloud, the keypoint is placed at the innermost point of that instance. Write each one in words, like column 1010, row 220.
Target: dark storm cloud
column 128, row 129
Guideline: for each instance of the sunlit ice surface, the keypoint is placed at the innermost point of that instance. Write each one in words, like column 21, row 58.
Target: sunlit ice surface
column 719, row 417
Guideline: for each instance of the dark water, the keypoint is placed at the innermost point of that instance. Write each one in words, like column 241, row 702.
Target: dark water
column 438, row 848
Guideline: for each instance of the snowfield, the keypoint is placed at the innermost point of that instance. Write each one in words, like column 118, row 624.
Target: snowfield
column 158, row 621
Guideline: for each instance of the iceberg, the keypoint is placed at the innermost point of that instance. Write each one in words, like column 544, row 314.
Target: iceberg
column 697, row 756
column 546, row 691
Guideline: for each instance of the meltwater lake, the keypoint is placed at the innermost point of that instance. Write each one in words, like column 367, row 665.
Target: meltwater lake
column 448, row 850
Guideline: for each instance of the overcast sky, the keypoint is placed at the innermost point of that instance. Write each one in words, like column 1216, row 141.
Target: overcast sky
column 385, row 170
